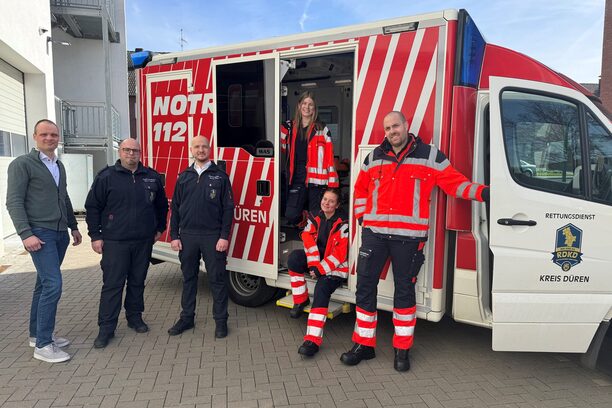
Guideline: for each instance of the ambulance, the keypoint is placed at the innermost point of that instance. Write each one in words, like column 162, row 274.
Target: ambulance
column 534, row 265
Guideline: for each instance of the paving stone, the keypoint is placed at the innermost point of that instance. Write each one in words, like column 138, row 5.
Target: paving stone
column 257, row 365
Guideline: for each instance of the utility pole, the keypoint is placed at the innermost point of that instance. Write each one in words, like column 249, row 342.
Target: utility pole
column 182, row 40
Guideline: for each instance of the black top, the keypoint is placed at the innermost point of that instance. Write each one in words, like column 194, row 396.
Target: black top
column 301, row 156
column 202, row 204
column 324, row 229
column 125, row 206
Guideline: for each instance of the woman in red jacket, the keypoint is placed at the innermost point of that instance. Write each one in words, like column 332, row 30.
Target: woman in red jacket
column 310, row 159
column 324, row 257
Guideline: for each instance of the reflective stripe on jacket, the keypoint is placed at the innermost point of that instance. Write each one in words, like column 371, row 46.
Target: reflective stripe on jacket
column 334, row 261
column 320, row 168
column 392, row 194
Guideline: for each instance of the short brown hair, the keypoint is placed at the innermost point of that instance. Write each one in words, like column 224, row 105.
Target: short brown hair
column 45, row 121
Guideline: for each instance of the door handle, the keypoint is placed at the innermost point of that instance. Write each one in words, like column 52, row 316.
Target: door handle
column 510, row 221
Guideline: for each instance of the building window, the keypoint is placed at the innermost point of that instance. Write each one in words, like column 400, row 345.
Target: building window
column 12, row 144
column 5, row 143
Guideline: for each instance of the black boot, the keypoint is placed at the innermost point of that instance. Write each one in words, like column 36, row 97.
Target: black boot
column 402, row 362
column 308, row 348
column 221, row 329
column 135, row 322
column 357, row 353
column 179, row 327
column 103, row 338
column 298, row 309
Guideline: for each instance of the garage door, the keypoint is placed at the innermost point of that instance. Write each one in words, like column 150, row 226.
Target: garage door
column 12, row 131
column 12, row 111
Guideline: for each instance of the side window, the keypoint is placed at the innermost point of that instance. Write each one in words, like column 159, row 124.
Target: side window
column 542, row 142
column 600, row 157
column 245, row 106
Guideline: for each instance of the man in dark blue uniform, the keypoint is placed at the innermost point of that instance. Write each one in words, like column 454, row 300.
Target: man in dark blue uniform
column 126, row 213
column 202, row 213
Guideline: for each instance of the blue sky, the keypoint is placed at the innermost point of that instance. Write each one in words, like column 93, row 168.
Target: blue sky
column 566, row 35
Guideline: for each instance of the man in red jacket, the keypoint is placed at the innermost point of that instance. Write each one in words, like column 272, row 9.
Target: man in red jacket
column 392, row 196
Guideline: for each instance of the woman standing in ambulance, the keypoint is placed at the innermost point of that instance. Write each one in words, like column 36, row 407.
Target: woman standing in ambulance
column 324, row 257
column 310, row 159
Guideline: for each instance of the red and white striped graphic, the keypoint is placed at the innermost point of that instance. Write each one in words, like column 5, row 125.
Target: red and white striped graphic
column 394, row 72
column 252, row 238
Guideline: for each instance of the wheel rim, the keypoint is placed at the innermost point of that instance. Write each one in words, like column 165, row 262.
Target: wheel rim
column 244, row 284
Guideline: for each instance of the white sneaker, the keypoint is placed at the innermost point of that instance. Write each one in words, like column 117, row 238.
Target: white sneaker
column 51, row 354
column 59, row 341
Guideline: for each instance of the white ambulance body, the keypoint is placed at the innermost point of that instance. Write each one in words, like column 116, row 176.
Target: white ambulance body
column 535, row 265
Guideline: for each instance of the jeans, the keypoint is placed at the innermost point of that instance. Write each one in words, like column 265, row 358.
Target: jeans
column 48, row 288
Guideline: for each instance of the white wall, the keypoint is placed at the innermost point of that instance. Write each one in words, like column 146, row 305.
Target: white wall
column 22, row 46
column 80, row 69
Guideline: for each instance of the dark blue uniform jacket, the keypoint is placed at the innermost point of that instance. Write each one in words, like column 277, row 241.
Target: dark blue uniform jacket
column 126, row 206
column 202, row 204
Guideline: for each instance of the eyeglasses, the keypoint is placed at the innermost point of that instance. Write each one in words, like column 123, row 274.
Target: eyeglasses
column 130, row 151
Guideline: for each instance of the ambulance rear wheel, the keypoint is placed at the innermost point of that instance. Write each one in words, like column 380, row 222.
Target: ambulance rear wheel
column 249, row 290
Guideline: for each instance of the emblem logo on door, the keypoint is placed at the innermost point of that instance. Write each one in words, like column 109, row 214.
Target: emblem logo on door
column 568, row 244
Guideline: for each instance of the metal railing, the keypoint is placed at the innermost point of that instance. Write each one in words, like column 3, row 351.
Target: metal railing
column 108, row 5
column 84, row 123
column 116, row 118
column 65, row 117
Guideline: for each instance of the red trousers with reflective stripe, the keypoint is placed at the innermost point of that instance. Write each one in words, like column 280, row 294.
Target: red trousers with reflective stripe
column 299, row 289
column 316, row 322
column 365, row 327
column 404, row 321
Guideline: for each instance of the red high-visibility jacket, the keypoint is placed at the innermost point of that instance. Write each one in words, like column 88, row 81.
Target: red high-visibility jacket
column 320, row 168
column 392, row 194
column 334, row 261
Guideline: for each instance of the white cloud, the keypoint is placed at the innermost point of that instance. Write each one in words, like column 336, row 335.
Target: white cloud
column 305, row 14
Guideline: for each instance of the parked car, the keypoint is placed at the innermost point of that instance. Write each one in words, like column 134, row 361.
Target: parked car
column 527, row 168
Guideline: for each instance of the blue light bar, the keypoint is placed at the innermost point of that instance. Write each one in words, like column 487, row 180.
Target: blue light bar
column 471, row 52
column 141, row 58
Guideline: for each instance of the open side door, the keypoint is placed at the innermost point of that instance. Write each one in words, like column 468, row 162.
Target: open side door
column 246, row 142
column 551, row 220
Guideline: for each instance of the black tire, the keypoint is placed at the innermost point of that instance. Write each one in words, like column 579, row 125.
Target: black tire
column 248, row 290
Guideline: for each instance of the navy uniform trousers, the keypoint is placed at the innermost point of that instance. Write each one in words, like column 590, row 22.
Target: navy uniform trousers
column 123, row 261
column 195, row 247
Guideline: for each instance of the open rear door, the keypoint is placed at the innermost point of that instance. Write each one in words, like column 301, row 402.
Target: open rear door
column 551, row 216
column 246, row 142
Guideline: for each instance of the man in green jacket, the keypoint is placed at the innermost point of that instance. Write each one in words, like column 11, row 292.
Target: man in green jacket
column 41, row 211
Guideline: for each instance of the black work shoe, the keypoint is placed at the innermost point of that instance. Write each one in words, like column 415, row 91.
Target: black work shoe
column 298, row 309
column 221, row 329
column 136, row 323
column 357, row 353
column 179, row 327
column 402, row 362
column 102, row 340
column 308, row 348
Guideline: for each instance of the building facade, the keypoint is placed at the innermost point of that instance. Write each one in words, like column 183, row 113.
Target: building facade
column 62, row 60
